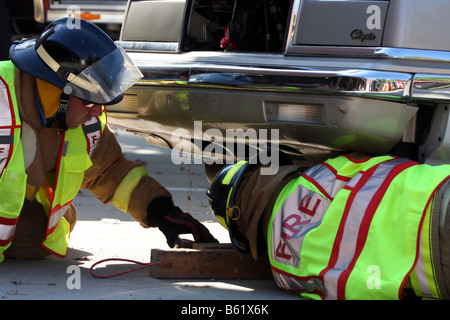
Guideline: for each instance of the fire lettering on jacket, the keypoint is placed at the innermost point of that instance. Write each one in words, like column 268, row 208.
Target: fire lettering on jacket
column 304, row 207
column 291, row 224
column 94, row 139
column 281, row 251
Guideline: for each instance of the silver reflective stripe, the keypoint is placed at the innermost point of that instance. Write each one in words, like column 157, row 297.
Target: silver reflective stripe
column 6, row 231
column 5, row 147
column 6, row 137
column 354, row 181
column 356, row 213
column 5, row 106
column 421, row 274
column 92, row 130
column 326, row 177
column 56, row 216
column 301, row 212
column 424, row 269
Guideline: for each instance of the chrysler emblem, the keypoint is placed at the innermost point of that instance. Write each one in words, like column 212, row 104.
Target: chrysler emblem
column 358, row 34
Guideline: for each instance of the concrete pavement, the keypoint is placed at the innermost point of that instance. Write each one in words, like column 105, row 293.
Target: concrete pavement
column 102, row 232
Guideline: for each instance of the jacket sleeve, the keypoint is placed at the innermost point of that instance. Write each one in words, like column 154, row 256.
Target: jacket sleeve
column 114, row 179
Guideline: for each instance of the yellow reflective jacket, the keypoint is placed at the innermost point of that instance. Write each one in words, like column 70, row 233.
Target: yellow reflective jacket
column 73, row 161
column 351, row 229
column 12, row 169
column 56, row 162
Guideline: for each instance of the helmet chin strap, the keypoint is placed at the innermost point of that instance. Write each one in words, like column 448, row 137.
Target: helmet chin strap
column 62, row 111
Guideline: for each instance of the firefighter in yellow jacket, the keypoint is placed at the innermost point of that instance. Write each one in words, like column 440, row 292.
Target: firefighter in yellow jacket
column 352, row 227
column 54, row 140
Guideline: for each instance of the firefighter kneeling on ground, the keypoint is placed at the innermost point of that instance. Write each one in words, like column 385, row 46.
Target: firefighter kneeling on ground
column 54, row 140
column 351, row 227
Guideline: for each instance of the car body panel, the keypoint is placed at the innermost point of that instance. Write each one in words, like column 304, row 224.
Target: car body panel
column 324, row 92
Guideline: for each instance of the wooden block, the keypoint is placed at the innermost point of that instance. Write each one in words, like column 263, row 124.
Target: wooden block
column 208, row 261
column 204, row 246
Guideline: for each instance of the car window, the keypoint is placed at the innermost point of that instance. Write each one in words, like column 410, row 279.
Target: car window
column 250, row 25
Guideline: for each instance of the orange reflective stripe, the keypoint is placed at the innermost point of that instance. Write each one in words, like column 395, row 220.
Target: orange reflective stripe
column 47, row 190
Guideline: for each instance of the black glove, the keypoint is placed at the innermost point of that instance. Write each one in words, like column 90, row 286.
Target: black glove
column 172, row 222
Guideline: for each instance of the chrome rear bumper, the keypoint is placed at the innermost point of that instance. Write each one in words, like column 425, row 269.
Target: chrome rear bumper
column 385, row 85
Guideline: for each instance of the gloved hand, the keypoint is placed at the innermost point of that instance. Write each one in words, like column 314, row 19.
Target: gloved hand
column 172, row 222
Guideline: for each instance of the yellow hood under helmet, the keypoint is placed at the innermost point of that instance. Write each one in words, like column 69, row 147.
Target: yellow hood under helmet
column 49, row 97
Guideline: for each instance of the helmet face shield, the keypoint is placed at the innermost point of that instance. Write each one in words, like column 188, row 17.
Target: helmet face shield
column 104, row 80
column 83, row 61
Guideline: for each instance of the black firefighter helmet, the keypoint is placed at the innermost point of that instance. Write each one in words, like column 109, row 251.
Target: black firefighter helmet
column 222, row 192
column 221, row 196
